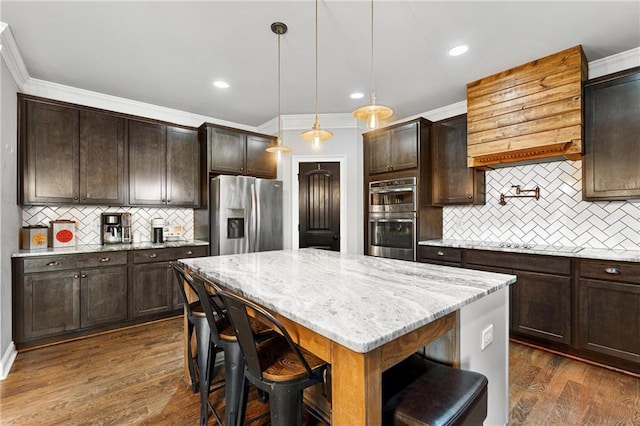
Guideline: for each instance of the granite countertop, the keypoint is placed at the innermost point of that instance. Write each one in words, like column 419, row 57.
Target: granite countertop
column 97, row 248
column 577, row 252
column 361, row 302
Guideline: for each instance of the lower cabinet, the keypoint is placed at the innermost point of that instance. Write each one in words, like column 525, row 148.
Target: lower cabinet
column 447, row 256
column 65, row 296
column 609, row 309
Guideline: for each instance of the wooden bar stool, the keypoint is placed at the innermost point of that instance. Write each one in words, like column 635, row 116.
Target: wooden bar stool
column 421, row 392
column 277, row 365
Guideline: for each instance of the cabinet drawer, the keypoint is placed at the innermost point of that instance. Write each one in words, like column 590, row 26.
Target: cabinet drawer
column 74, row 261
column 613, row 271
column 168, row 254
column 523, row 262
column 440, row 254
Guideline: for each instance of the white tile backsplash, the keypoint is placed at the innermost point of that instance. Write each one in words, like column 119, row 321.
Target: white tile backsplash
column 88, row 220
column 560, row 217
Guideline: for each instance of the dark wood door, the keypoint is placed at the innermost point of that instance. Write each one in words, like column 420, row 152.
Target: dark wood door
column 612, row 137
column 103, row 294
column 541, row 306
column 51, row 167
column 404, row 147
column 260, row 163
column 151, row 289
column 51, row 303
column 453, row 182
column 102, row 159
column 319, row 205
column 377, row 147
column 610, row 318
column 183, row 167
column 227, row 148
column 147, row 163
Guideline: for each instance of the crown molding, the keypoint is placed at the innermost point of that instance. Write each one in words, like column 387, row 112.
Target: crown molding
column 614, row 63
column 12, row 57
column 305, row 121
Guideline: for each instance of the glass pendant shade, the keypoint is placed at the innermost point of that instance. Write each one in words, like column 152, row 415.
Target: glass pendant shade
column 316, row 135
column 279, row 150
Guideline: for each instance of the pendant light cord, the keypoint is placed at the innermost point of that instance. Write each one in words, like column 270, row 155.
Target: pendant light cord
column 316, row 46
column 372, row 73
column 279, row 139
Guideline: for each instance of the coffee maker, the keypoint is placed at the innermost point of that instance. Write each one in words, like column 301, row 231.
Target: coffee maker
column 115, row 228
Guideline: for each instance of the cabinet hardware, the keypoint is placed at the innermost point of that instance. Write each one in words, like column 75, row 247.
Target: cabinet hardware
column 76, row 276
column 83, row 275
column 189, row 252
column 153, row 255
column 168, row 200
column 75, row 198
column 440, row 253
column 612, row 271
column 84, row 198
column 105, row 259
column 53, row 263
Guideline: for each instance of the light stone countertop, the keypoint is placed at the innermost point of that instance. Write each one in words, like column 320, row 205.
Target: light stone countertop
column 361, row 302
column 577, row 252
column 98, row 248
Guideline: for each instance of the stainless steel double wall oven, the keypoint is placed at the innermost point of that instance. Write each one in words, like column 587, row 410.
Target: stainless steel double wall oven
column 393, row 208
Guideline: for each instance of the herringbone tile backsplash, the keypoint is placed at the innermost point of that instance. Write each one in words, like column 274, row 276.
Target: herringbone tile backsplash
column 560, row 217
column 88, row 220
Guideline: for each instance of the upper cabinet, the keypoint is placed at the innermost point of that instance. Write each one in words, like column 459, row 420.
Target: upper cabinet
column 233, row 151
column 530, row 112
column 70, row 155
column 453, row 183
column 393, row 148
column 164, row 165
column 612, row 137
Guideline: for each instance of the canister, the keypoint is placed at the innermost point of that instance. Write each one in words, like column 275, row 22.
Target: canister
column 62, row 233
column 33, row 237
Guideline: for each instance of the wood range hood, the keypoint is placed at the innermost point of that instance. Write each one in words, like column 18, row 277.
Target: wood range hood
column 530, row 112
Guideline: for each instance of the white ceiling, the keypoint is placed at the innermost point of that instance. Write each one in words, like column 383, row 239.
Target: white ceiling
column 169, row 53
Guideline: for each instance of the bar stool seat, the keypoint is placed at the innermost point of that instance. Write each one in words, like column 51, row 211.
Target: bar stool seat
column 421, row 392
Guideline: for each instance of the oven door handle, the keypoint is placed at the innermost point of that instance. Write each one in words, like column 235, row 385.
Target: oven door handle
column 391, row 220
column 392, row 189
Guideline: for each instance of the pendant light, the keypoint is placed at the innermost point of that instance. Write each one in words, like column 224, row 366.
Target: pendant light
column 279, row 28
column 316, row 135
column 372, row 114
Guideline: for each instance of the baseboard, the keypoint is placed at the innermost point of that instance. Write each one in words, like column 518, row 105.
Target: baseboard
column 7, row 360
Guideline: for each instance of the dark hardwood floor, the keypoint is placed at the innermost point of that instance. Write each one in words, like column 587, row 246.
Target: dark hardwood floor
column 134, row 376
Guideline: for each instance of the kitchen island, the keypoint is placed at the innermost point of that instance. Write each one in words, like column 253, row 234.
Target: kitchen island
column 359, row 313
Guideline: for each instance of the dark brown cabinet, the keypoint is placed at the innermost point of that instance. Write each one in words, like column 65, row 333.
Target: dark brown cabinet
column 612, row 137
column 103, row 296
column 447, row 256
column 393, row 148
column 609, row 309
column 453, row 182
column 541, row 297
column 70, row 155
column 164, row 165
column 233, row 151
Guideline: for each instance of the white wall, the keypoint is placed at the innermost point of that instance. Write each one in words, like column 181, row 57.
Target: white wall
column 9, row 212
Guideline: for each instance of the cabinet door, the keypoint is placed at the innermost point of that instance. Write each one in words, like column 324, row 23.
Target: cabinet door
column 612, row 139
column 151, row 289
column 453, row 181
column 103, row 296
column 51, row 303
column 50, row 138
column 102, row 159
column 260, row 163
column 404, row 147
column 147, row 163
column 379, row 156
column 227, row 150
column 610, row 318
column 183, row 167
column 541, row 306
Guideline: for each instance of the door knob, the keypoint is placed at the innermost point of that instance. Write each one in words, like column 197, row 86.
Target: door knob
column 336, row 237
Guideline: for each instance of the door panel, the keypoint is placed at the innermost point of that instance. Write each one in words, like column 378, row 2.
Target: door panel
column 147, row 163
column 319, row 205
column 183, row 171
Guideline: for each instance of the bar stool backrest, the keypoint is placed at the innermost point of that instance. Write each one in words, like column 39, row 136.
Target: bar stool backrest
column 210, row 305
column 184, row 277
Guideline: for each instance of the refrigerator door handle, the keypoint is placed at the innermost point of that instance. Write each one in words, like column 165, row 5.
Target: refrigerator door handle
column 255, row 214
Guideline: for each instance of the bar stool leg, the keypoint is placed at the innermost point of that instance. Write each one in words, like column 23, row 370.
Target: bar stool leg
column 234, row 382
column 204, row 351
column 284, row 405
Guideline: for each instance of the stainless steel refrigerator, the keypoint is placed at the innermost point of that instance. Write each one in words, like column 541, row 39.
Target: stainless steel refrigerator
column 246, row 215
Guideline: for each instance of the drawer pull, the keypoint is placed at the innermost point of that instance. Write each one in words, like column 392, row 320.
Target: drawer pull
column 76, row 276
column 612, row 271
column 105, row 259
column 53, row 263
column 83, row 275
column 440, row 253
column 189, row 252
column 153, row 255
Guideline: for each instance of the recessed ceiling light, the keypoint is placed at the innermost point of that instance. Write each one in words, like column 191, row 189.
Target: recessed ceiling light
column 458, row 50
column 221, row 84
column 356, row 95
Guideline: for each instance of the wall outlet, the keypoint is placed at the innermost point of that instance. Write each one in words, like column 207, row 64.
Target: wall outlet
column 487, row 337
